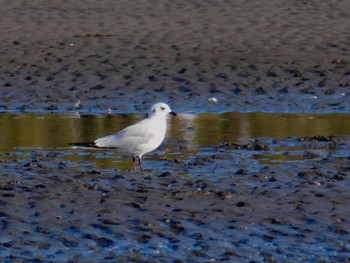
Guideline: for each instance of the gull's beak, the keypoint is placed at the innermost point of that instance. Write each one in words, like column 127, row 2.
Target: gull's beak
column 172, row 113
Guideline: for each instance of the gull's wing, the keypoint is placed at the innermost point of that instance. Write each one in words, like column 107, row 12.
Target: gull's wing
column 128, row 138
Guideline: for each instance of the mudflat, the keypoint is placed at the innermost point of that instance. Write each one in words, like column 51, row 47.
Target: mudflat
column 198, row 56
column 249, row 56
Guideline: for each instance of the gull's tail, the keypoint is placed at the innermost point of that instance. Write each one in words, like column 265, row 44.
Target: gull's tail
column 83, row 144
column 87, row 145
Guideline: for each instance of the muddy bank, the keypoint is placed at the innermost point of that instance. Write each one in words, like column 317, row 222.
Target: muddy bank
column 256, row 56
column 200, row 83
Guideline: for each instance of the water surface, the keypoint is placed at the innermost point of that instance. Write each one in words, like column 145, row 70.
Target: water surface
column 188, row 134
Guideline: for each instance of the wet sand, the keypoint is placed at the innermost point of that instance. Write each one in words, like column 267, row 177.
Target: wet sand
column 123, row 56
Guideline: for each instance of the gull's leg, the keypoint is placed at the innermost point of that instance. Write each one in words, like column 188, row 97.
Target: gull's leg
column 134, row 163
column 140, row 164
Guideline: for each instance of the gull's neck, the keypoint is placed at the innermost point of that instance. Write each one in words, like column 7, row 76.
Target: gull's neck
column 156, row 116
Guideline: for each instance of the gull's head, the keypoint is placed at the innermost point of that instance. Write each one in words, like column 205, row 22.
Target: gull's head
column 160, row 108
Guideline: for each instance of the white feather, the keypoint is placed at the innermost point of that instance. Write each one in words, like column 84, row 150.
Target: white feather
column 142, row 137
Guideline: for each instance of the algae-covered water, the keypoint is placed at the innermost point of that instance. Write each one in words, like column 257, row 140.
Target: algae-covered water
column 187, row 134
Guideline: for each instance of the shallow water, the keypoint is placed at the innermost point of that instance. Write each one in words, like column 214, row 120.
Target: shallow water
column 188, row 134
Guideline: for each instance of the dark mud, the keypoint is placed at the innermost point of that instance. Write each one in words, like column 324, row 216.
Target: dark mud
column 201, row 57
column 224, row 204
column 65, row 78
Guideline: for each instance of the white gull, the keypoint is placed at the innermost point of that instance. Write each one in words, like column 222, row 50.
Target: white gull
column 139, row 138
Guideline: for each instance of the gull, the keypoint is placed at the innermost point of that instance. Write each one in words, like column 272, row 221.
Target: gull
column 139, row 138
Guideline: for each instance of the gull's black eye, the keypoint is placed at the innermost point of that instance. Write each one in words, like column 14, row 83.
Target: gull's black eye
column 162, row 108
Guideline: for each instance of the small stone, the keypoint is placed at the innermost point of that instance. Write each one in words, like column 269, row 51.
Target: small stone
column 104, row 242
column 165, row 174
column 98, row 87
column 181, row 71
column 260, row 91
column 184, row 89
column 240, row 204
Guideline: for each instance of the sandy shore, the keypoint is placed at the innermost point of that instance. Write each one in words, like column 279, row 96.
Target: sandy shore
column 255, row 56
